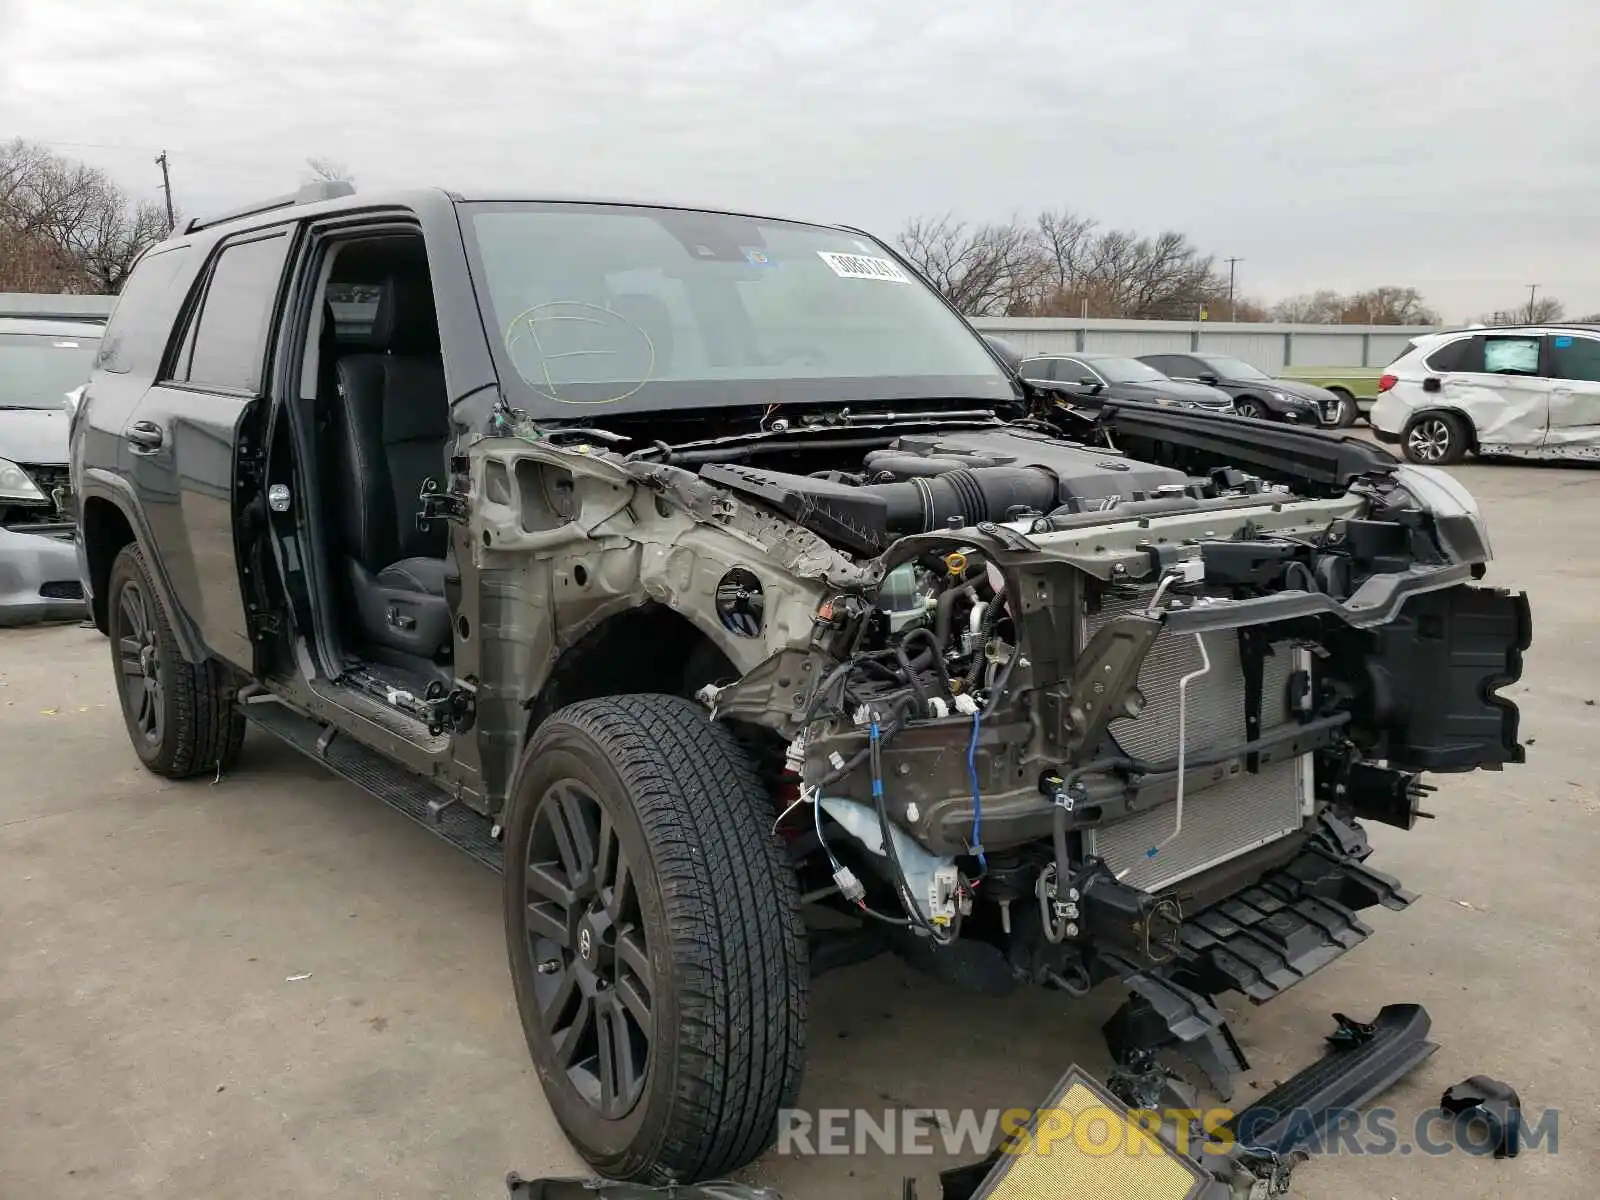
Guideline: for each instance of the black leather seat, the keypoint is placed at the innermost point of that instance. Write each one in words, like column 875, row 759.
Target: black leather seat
column 392, row 426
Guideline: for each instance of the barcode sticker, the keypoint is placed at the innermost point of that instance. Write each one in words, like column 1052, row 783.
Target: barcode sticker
column 863, row 266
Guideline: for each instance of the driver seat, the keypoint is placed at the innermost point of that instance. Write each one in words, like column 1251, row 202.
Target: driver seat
column 392, row 428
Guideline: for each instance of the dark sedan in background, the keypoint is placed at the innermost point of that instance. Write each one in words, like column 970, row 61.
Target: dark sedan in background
column 44, row 362
column 1254, row 392
column 1087, row 379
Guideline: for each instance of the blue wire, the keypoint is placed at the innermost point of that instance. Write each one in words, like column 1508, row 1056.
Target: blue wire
column 977, row 799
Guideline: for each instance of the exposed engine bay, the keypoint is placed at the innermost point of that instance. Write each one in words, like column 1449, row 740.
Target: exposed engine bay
column 1106, row 705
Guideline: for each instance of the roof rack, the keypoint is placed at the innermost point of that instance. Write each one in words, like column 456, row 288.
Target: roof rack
column 311, row 193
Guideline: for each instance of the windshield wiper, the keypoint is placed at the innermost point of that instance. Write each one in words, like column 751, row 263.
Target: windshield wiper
column 780, row 434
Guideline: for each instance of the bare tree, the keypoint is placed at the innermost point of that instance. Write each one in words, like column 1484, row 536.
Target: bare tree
column 1388, row 305
column 1063, row 240
column 1315, row 308
column 1542, row 311
column 984, row 270
column 1064, row 264
column 329, row 170
column 1588, row 319
column 68, row 227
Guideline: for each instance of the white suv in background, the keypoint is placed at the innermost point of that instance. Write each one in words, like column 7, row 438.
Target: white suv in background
column 1531, row 391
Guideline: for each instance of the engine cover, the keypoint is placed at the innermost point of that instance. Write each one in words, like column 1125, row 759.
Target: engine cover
column 935, row 481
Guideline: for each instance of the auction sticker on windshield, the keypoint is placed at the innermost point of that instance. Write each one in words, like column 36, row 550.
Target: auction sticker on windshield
column 863, row 266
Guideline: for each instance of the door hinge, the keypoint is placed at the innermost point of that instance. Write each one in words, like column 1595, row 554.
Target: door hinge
column 455, row 709
column 438, row 504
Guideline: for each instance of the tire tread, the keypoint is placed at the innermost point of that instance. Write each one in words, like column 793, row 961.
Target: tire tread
column 735, row 931
column 206, row 730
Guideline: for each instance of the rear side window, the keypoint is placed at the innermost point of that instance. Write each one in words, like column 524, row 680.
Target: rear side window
column 225, row 344
column 1575, row 357
column 1463, row 354
column 136, row 335
column 1511, row 355
column 1039, row 370
column 1410, row 346
column 1169, row 364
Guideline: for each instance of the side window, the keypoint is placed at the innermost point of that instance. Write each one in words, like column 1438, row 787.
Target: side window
column 1039, row 370
column 1174, row 365
column 1463, row 354
column 1575, row 357
column 223, row 347
column 137, row 332
column 1511, row 355
column 1074, row 371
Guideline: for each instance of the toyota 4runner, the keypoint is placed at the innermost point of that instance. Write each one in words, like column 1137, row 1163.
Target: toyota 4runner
column 711, row 578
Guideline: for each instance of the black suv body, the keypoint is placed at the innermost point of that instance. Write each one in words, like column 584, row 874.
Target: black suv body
column 682, row 564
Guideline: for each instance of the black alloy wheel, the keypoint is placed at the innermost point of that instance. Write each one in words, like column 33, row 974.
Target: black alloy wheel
column 586, row 938
column 140, row 674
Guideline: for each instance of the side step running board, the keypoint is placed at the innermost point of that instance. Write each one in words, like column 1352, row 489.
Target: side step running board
column 415, row 797
column 1362, row 1062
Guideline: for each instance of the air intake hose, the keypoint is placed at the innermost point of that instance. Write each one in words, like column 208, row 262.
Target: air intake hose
column 964, row 496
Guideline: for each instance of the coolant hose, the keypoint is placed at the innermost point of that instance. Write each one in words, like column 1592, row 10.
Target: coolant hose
column 944, row 613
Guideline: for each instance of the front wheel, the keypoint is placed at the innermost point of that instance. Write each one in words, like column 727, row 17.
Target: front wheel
column 1348, row 409
column 654, row 932
column 1250, row 408
column 1435, row 440
column 181, row 716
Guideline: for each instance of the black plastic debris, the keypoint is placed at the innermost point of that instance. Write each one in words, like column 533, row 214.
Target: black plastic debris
column 519, row 1188
column 1491, row 1103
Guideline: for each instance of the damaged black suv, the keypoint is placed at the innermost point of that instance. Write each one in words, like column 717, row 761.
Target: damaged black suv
column 699, row 570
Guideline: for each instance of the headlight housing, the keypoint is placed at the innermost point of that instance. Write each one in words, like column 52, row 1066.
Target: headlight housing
column 15, row 484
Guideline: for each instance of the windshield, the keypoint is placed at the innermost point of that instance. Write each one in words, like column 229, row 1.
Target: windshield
column 627, row 309
column 38, row 370
column 1232, row 368
column 1126, row 370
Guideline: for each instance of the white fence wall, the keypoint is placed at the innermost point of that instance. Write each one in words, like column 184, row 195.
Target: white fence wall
column 32, row 304
column 1272, row 347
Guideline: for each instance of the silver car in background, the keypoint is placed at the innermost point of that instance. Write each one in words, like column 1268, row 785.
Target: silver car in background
column 44, row 363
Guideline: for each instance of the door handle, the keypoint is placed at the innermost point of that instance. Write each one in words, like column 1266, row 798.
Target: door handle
column 145, row 435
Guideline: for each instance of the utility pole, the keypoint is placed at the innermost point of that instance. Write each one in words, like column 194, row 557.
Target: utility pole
column 166, row 187
column 1533, row 290
column 1233, row 313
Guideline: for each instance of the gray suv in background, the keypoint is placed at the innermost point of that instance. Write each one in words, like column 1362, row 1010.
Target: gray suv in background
column 43, row 363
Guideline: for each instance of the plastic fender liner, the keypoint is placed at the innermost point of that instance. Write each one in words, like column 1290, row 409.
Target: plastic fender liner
column 1427, row 684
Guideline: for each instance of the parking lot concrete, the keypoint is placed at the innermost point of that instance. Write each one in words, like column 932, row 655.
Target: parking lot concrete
column 273, row 986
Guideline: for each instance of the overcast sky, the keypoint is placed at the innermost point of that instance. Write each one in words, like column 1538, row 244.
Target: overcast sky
column 1453, row 145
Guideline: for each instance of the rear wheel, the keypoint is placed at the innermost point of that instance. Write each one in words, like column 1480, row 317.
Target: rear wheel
column 1435, row 439
column 180, row 715
column 653, row 926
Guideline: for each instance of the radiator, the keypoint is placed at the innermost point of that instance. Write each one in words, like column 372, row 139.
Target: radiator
column 1228, row 817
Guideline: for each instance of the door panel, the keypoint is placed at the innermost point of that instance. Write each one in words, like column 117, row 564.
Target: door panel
column 186, row 485
column 1508, row 397
column 182, row 437
column 1574, row 427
